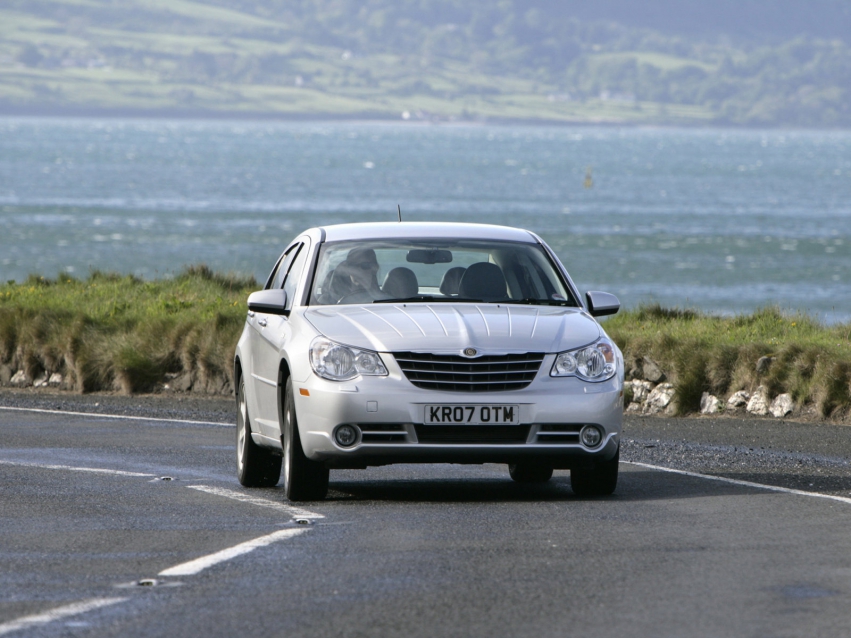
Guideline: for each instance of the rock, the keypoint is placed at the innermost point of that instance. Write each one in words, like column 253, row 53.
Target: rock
column 55, row 380
column 759, row 402
column 710, row 404
column 738, row 399
column 182, row 383
column 19, row 379
column 652, row 372
column 41, row 382
column 634, row 408
column 640, row 390
column 659, row 399
column 763, row 364
column 782, row 405
column 632, row 368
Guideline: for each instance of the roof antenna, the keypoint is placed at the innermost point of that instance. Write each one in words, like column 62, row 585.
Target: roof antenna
column 399, row 208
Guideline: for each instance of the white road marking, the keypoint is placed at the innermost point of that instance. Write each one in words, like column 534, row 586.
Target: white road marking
column 295, row 512
column 761, row 486
column 57, row 614
column 95, row 470
column 119, row 416
column 200, row 564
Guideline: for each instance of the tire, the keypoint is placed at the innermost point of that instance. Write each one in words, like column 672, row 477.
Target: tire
column 255, row 466
column 304, row 480
column 601, row 480
column 530, row 472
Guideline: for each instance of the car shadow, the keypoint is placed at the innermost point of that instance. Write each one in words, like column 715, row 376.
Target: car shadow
column 640, row 485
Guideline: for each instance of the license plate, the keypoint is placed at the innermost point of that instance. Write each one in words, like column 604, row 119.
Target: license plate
column 473, row 414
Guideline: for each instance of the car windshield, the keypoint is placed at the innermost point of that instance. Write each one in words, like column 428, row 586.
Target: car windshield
column 411, row 270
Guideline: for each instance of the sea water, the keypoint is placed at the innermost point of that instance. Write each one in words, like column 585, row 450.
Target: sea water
column 723, row 220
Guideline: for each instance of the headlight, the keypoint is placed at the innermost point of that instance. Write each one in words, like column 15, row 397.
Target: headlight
column 597, row 362
column 337, row 362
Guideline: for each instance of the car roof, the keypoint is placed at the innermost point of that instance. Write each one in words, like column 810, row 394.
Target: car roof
column 430, row 230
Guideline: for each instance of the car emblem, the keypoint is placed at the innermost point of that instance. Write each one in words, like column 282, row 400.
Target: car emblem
column 470, row 352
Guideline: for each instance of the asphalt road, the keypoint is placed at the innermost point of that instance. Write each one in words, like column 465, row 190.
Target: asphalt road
column 94, row 541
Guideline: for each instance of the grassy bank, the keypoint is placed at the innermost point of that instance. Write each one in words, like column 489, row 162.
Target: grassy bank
column 701, row 353
column 113, row 332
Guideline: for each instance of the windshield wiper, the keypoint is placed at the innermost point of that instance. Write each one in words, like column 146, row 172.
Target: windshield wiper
column 429, row 299
column 532, row 301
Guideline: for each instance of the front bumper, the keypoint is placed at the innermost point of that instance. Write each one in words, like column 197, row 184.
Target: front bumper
column 389, row 413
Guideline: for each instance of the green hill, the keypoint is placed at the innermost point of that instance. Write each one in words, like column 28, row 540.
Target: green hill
column 774, row 63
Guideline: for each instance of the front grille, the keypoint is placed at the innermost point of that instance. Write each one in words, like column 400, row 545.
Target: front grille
column 472, row 434
column 453, row 373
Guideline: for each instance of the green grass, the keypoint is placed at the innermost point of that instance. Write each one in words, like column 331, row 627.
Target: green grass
column 114, row 332
column 703, row 353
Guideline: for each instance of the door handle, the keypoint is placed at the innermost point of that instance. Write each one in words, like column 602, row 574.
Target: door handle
column 262, row 322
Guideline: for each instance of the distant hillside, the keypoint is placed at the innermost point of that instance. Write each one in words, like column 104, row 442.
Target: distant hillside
column 760, row 20
column 742, row 62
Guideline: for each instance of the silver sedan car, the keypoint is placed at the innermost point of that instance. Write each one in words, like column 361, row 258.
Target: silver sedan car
column 383, row 343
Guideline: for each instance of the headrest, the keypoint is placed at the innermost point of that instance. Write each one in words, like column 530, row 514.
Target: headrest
column 483, row 281
column 401, row 283
column 451, row 280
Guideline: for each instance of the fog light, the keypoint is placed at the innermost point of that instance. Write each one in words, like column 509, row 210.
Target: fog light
column 346, row 435
column 591, row 436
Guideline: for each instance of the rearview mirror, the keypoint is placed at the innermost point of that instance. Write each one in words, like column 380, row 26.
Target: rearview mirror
column 601, row 304
column 273, row 302
column 429, row 256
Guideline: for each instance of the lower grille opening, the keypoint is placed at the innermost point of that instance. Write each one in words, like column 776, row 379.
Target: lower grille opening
column 383, row 433
column 472, row 434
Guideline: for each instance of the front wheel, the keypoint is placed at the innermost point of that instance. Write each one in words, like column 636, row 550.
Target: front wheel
column 304, row 480
column 255, row 466
column 601, row 480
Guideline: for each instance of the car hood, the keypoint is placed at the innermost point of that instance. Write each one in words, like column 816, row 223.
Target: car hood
column 449, row 328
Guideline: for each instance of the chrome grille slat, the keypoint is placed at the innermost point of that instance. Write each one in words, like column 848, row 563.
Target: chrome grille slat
column 454, row 373
column 490, row 382
column 471, row 373
column 465, row 361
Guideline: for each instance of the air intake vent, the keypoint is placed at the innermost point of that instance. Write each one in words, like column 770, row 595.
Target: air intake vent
column 560, row 433
column 383, row 433
column 450, row 373
column 472, row 434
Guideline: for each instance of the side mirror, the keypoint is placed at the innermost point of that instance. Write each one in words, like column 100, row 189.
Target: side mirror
column 601, row 304
column 273, row 302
